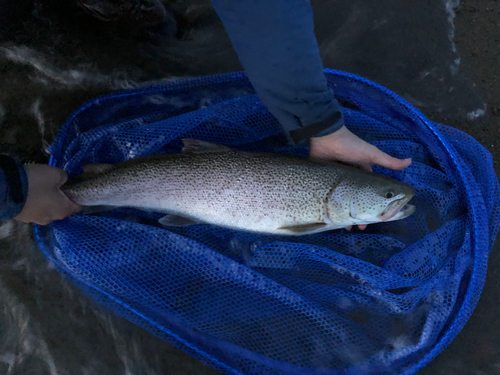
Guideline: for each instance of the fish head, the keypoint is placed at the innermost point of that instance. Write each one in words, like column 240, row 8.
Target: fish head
column 380, row 199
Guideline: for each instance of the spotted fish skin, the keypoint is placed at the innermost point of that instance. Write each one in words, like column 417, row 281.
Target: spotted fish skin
column 256, row 192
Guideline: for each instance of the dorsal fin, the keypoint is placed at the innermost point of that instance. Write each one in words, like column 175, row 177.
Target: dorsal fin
column 97, row 168
column 195, row 145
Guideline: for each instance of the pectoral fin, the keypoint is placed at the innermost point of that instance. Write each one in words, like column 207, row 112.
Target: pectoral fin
column 304, row 228
column 176, row 221
column 89, row 210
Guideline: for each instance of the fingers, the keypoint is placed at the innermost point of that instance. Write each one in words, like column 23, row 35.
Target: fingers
column 400, row 164
column 366, row 167
column 67, row 206
column 75, row 207
column 361, row 227
column 45, row 201
column 387, row 161
column 45, row 221
column 70, row 208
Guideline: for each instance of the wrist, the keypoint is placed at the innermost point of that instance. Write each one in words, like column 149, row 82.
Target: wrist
column 327, row 126
column 319, row 140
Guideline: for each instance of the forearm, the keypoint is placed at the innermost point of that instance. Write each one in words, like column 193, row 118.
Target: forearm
column 277, row 47
column 13, row 187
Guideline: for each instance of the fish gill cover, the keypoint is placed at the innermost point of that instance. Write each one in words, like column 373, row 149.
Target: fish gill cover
column 386, row 300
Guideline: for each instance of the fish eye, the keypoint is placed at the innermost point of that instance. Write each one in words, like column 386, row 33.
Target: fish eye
column 389, row 194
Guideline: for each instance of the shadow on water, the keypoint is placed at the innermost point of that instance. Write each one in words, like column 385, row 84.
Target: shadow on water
column 54, row 55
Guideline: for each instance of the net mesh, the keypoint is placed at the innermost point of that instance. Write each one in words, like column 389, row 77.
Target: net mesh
column 386, row 300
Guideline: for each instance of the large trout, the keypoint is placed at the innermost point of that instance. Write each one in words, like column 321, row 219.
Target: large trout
column 256, row 192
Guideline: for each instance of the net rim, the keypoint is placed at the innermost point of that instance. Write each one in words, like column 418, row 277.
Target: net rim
column 475, row 205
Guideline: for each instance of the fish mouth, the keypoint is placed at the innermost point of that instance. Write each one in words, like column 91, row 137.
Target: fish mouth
column 397, row 210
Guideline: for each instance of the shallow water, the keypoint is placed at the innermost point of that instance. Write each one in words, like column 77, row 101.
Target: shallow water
column 60, row 56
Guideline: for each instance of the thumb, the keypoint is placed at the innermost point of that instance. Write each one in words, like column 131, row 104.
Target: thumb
column 387, row 161
column 63, row 177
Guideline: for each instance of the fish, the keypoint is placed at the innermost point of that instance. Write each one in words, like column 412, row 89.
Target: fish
column 259, row 192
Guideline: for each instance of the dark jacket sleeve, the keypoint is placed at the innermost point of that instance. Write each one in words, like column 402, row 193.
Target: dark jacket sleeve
column 276, row 45
column 13, row 187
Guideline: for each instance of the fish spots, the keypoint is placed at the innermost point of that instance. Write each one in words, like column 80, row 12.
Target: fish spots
column 240, row 191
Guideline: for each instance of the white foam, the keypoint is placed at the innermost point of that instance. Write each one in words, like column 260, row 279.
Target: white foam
column 476, row 114
column 6, row 229
column 48, row 74
column 450, row 6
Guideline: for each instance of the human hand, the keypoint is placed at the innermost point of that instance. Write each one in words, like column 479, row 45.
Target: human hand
column 46, row 202
column 346, row 147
